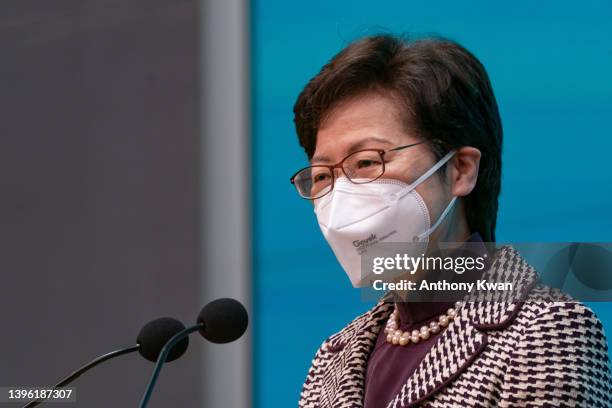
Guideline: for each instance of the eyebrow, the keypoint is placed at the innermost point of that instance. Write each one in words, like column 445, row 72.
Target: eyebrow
column 352, row 148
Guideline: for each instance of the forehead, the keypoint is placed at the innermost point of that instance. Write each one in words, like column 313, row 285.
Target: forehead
column 370, row 120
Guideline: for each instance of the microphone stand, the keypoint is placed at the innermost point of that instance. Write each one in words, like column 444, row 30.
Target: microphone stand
column 86, row 367
column 161, row 359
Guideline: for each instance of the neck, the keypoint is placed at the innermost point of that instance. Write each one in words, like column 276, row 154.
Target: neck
column 453, row 229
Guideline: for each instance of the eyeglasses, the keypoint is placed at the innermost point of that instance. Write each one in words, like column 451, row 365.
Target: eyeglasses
column 360, row 167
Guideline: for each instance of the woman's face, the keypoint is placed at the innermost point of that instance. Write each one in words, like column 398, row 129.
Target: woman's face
column 373, row 121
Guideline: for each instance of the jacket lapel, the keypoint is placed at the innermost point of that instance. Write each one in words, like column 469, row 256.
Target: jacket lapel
column 344, row 378
column 465, row 337
column 457, row 347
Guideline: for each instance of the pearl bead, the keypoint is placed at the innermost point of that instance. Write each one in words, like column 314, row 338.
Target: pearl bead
column 451, row 313
column 397, row 333
column 434, row 327
column 395, row 339
column 403, row 341
column 415, row 333
column 443, row 321
column 424, row 333
column 415, row 339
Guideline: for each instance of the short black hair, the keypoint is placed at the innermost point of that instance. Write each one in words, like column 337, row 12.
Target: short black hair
column 446, row 97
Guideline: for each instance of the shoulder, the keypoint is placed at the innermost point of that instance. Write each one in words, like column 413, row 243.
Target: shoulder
column 551, row 318
column 361, row 327
column 561, row 348
column 373, row 317
column 546, row 306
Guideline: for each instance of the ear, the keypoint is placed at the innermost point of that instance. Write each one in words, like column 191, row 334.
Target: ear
column 463, row 170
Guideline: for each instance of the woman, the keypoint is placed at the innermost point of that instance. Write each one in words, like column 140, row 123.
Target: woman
column 404, row 140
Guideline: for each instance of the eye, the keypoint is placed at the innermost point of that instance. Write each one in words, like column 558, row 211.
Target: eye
column 364, row 163
column 320, row 177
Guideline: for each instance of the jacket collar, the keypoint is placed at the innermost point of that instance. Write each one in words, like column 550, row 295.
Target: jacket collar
column 458, row 346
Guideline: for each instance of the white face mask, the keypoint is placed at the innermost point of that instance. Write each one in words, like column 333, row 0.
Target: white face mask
column 356, row 217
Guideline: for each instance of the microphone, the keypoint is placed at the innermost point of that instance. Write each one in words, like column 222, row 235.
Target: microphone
column 156, row 333
column 220, row 321
column 223, row 320
column 149, row 343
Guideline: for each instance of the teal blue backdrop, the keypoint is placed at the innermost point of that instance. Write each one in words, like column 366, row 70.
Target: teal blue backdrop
column 550, row 65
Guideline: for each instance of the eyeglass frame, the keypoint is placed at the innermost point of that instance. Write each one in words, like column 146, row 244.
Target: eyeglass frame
column 332, row 167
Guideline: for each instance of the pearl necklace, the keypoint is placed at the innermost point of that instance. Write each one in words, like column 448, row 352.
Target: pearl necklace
column 403, row 338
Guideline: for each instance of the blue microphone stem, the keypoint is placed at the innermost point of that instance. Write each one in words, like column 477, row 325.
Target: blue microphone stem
column 161, row 359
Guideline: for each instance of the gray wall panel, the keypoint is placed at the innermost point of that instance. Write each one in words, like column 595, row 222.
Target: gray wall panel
column 225, row 188
column 100, row 209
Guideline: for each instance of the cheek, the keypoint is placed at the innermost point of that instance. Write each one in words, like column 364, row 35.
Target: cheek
column 392, row 173
column 405, row 170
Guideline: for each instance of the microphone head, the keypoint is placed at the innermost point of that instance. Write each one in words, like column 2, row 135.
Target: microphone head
column 225, row 320
column 155, row 334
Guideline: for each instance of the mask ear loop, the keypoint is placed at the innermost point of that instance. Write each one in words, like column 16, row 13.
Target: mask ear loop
column 420, row 180
column 427, row 174
column 446, row 211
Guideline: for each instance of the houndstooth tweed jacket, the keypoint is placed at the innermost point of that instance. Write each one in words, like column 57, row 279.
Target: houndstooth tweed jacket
column 542, row 349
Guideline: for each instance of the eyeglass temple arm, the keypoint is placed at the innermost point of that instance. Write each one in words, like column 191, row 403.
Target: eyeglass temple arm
column 404, row 146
